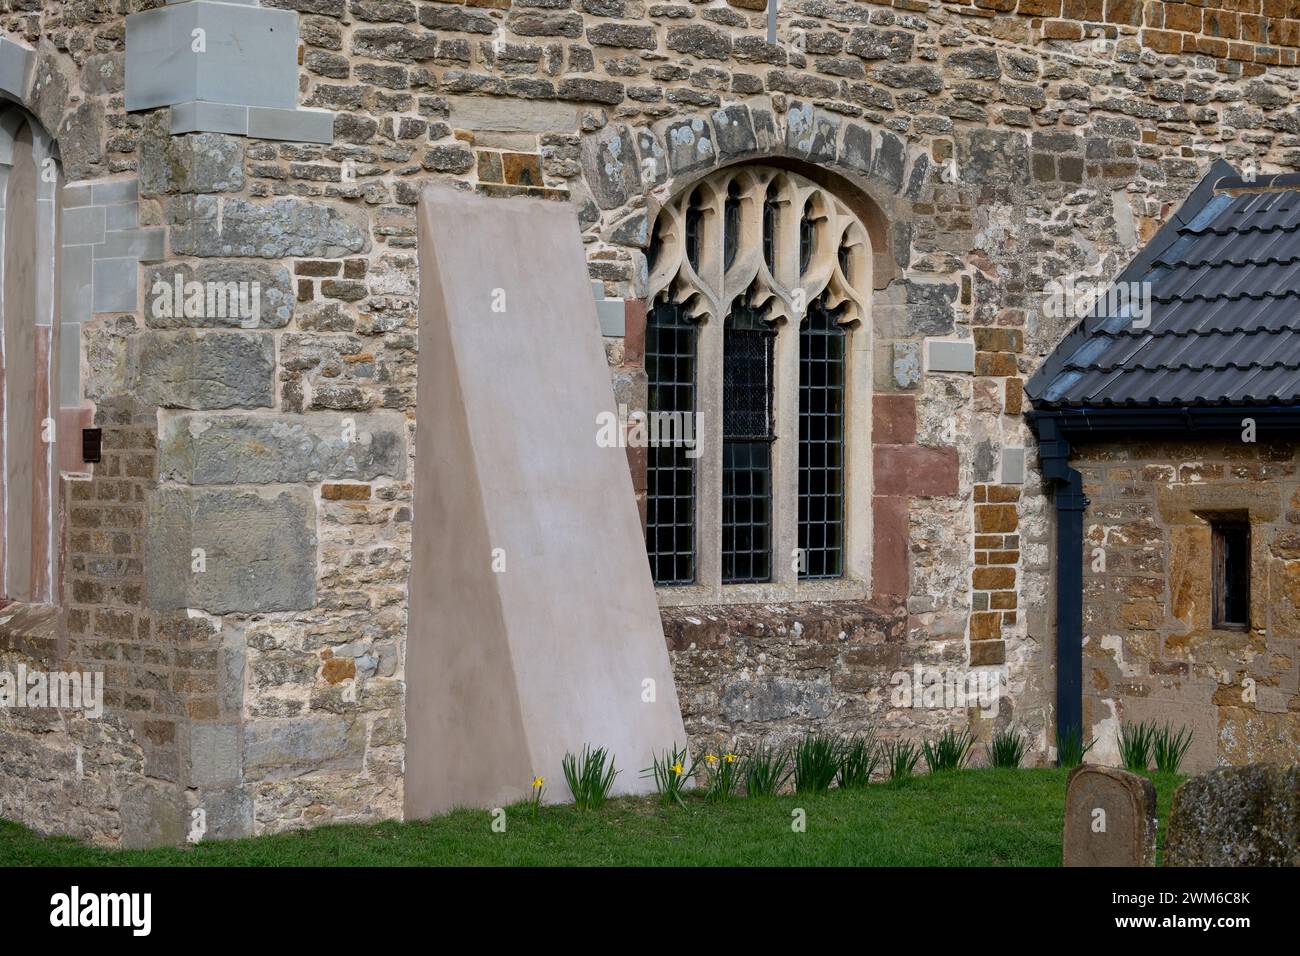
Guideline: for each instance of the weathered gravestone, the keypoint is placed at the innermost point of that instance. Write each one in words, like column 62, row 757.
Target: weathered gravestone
column 1110, row 818
column 1236, row 816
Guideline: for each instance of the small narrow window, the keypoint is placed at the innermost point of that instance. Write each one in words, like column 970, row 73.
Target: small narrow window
column 747, row 437
column 821, row 443
column 769, row 228
column 807, row 237
column 731, row 227
column 670, row 470
column 1231, row 571
column 694, row 230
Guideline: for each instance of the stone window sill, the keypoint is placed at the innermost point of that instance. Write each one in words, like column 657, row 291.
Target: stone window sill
column 694, row 595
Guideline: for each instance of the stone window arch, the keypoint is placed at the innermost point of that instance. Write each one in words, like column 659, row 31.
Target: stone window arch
column 758, row 326
column 29, row 191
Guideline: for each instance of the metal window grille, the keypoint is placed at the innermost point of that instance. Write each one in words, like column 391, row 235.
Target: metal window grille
column 670, row 473
column 821, row 443
column 747, row 447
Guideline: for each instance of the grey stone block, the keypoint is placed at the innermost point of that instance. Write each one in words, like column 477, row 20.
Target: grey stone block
column 16, row 62
column 734, row 131
column 83, row 225
column 512, row 115
column 610, row 162
column 116, row 285
column 112, row 191
column 143, row 245
column 214, row 755
column 690, row 146
column 907, row 364
column 75, row 293
column 276, row 230
column 239, row 449
column 204, row 370
column 277, row 748
column 812, row 133
column 195, row 117
column 198, row 163
column 297, row 125
column 261, row 296
column 123, row 216
column 946, row 356
column 250, row 57
column 231, row 552
column 613, row 317
column 153, row 815
column 1013, row 466
column 227, row 813
column 76, row 194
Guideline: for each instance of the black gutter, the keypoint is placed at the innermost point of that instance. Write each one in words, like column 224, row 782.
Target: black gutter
column 1101, row 422
column 1057, row 429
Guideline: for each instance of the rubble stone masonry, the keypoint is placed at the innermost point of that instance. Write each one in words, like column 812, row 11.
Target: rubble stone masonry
column 1151, row 651
column 990, row 148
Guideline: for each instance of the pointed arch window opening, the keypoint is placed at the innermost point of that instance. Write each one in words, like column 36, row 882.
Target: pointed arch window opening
column 825, row 252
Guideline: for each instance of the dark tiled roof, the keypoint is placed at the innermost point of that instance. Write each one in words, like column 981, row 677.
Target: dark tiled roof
column 1225, row 310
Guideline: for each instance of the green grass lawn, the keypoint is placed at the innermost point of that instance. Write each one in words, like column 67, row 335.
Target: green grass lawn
column 965, row 818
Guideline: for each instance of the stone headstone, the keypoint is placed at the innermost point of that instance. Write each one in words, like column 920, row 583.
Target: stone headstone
column 1236, row 816
column 1110, row 818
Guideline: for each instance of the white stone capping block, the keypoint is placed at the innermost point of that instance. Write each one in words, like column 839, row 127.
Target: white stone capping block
column 249, row 57
column 949, row 355
column 300, row 125
column 195, row 117
column 1013, row 466
column 512, row 116
column 16, row 64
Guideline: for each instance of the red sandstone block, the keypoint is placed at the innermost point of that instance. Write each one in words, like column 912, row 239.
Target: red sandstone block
column 1039, row 8
column 987, row 653
column 1092, row 10
column 1210, row 46
column 1221, row 23
column 1162, row 41
column 893, row 419
column 993, row 579
column 1124, row 11
column 634, row 318
column 1254, row 29
column 985, row 626
column 1183, row 16
column 1153, row 13
column 915, row 471
column 889, row 562
column 1062, row 30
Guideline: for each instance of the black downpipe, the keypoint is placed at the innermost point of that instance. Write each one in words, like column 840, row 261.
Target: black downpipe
column 1067, row 484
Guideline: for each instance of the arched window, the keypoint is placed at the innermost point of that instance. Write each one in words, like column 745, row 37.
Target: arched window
column 758, row 329
column 29, row 189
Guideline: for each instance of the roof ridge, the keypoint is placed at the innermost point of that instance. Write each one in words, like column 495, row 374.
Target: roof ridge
column 1131, row 367
column 1183, row 333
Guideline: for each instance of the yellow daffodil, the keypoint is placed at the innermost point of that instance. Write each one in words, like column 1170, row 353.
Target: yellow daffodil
column 731, row 758
column 677, row 769
column 537, row 782
column 710, row 759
